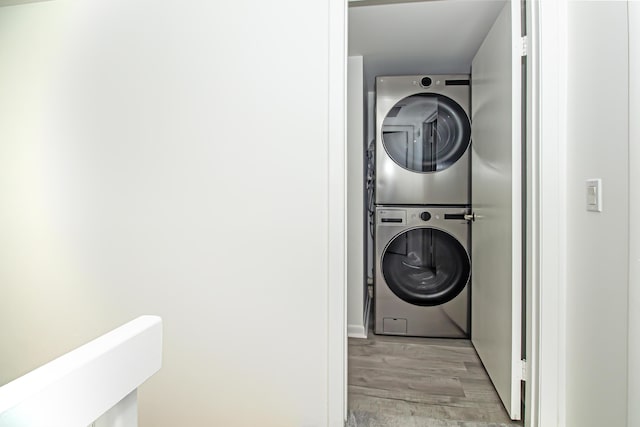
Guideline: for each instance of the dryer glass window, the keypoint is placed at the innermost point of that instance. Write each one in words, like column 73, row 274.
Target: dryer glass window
column 425, row 266
column 426, row 132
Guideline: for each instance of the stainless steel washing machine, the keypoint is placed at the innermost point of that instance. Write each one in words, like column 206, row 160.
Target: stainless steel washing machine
column 423, row 134
column 423, row 271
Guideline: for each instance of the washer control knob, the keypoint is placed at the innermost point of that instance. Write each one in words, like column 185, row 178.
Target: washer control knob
column 425, row 216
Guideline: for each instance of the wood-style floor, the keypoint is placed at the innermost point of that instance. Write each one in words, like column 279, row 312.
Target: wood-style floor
column 420, row 382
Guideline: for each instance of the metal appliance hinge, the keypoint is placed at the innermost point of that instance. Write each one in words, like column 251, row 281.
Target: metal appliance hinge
column 470, row 217
column 524, row 45
column 523, row 370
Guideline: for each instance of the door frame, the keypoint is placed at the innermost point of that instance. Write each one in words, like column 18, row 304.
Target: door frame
column 546, row 271
column 546, row 247
column 336, row 257
column 633, row 416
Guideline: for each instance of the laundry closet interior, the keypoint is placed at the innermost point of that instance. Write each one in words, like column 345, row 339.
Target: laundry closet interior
column 436, row 179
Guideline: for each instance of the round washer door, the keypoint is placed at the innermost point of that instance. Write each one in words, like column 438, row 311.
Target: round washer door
column 425, row 266
column 426, row 132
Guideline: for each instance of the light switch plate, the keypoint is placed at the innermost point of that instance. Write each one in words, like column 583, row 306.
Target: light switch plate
column 594, row 195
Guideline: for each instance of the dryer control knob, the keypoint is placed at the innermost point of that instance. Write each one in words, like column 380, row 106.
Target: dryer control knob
column 425, row 216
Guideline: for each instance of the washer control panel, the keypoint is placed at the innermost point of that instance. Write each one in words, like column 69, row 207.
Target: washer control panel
column 422, row 216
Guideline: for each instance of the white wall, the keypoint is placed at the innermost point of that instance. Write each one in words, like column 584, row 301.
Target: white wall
column 597, row 243
column 172, row 158
column 356, row 281
column 634, row 212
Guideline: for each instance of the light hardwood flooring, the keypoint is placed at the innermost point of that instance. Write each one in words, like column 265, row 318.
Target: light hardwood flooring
column 420, row 382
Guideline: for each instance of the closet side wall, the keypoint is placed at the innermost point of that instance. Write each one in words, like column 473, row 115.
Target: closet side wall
column 356, row 280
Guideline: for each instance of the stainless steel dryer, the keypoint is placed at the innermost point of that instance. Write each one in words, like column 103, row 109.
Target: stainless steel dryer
column 422, row 273
column 423, row 134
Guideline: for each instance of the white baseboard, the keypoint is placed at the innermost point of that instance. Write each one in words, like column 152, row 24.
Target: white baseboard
column 356, row 331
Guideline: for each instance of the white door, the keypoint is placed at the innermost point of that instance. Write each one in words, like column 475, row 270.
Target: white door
column 496, row 292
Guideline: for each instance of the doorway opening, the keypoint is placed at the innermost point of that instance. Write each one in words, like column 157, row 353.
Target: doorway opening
column 426, row 375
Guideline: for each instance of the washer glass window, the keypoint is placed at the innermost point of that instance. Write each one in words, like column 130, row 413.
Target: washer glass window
column 425, row 266
column 426, row 132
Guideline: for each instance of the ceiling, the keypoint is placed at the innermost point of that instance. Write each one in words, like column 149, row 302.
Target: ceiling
column 418, row 37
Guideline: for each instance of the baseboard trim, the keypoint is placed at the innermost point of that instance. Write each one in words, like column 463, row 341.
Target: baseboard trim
column 356, row 331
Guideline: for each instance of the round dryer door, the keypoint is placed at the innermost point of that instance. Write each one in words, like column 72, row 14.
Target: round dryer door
column 426, row 132
column 425, row 266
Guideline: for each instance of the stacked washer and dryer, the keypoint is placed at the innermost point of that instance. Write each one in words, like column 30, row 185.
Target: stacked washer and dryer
column 422, row 196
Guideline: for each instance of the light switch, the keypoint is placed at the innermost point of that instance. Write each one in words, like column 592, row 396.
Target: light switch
column 594, row 195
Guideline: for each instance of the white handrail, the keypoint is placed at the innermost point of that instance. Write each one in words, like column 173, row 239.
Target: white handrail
column 79, row 387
